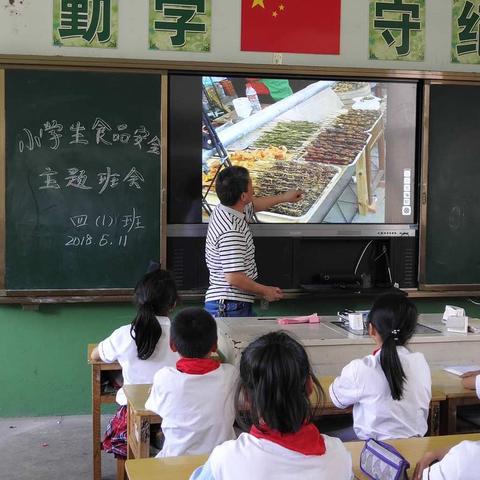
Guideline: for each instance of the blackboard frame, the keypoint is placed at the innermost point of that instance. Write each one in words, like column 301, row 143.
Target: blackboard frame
column 164, row 67
column 73, row 295
column 423, row 285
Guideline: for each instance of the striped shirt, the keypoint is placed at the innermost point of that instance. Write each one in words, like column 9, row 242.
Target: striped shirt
column 229, row 248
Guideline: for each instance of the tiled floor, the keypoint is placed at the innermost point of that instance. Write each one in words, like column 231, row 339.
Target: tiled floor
column 50, row 448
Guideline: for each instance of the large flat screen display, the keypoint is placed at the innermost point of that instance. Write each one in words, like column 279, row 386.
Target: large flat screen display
column 349, row 145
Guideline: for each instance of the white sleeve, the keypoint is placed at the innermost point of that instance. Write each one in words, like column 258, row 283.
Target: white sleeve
column 477, row 385
column 458, row 464
column 155, row 399
column 345, row 391
column 110, row 348
column 250, row 212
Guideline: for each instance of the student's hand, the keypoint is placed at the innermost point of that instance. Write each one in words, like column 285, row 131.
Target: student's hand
column 292, row 196
column 424, row 463
column 272, row 294
column 469, row 382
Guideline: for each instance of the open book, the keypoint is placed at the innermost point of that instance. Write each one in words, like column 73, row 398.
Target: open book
column 461, row 369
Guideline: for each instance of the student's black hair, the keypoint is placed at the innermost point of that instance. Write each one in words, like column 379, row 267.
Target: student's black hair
column 155, row 295
column 194, row 332
column 277, row 384
column 230, row 184
column 394, row 317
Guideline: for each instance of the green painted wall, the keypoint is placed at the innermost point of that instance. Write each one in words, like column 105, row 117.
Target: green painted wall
column 43, row 366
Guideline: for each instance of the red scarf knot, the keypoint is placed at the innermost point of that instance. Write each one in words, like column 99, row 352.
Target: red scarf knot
column 307, row 440
column 197, row 366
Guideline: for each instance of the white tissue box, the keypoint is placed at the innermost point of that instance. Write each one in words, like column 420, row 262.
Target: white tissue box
column 452, row 311
column 457, row 324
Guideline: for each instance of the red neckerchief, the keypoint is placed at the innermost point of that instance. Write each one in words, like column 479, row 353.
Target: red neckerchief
column 197, row 366
column 307, row 440
column 376, row 350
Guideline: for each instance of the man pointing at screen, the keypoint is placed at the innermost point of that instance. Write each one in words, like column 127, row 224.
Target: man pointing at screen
column 229, row 250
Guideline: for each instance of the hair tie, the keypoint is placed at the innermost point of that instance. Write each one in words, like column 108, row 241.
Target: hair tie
column 395, row 334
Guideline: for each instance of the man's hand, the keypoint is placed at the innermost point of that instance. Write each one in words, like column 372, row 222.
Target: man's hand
column 242, row 282
column 292, row 196
column 272, row 294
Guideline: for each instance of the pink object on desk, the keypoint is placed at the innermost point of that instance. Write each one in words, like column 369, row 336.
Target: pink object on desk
column 313, row 318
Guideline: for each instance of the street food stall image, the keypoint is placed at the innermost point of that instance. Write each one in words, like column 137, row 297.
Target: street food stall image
column 327, row 138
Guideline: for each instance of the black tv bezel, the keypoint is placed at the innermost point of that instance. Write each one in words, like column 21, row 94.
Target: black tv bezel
column 313, row 230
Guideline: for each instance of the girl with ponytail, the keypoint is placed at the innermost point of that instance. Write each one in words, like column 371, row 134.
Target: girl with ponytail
column 273, row 403
column 390, row 390
column 141, row 348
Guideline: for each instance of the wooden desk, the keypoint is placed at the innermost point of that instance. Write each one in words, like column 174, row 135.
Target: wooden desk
column 438, row 396
column 139, row 421
column 180, row 468
column 456, row 396
column 98, row 398
column 411, row 448
column 171, row 468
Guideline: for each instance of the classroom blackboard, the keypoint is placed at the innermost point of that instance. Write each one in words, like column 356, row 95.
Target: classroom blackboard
column 82, row 178
column 452, row 243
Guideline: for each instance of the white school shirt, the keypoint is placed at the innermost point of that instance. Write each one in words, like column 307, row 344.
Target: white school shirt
column 254, row 458
column 460, row 463
column 197, row 410
column 477, row 385
column 363, row 384
column 120, row 347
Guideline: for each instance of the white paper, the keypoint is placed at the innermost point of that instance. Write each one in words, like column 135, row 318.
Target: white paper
column 461, row 369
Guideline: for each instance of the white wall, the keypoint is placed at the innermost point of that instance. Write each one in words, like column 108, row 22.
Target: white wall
column 26, row 29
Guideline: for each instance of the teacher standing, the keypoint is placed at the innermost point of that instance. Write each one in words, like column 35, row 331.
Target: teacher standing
column 229, row 250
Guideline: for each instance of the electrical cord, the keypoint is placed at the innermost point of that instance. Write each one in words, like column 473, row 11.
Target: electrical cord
column 361, row 256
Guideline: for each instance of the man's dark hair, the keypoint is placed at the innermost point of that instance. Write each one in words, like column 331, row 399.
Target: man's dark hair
column 230, row 184
column 194, row 332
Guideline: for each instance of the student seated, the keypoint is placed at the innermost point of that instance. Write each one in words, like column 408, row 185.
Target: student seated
column 390, row 390
column 276, row 381
column 456, row 463
column 141, row 348
column 194, row 398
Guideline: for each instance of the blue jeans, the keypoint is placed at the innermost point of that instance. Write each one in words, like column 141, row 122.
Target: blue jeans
column 230, row 308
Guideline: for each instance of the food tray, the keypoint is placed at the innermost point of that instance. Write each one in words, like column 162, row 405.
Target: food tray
column 322, row 205
column 353, row 162
column 297, row 149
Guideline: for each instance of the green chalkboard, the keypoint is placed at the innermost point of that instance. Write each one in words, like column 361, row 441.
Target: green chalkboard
column 452, row 248
column 82, row 178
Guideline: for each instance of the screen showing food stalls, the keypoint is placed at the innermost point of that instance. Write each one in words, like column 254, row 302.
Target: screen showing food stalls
column 350, row 146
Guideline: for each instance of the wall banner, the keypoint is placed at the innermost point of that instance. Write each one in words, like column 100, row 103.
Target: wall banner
column 85, row 23
column 184, row 25
column 397, row 30
column 465, row 31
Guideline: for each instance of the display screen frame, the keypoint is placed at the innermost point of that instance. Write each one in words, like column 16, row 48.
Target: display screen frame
column 183, row 208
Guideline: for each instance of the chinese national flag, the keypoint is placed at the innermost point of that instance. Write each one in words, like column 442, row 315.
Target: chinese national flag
column 291, row 26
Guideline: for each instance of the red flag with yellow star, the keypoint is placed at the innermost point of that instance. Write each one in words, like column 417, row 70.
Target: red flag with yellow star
column 291, row 26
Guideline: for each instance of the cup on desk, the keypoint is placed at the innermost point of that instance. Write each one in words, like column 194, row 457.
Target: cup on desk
column 355, row 321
